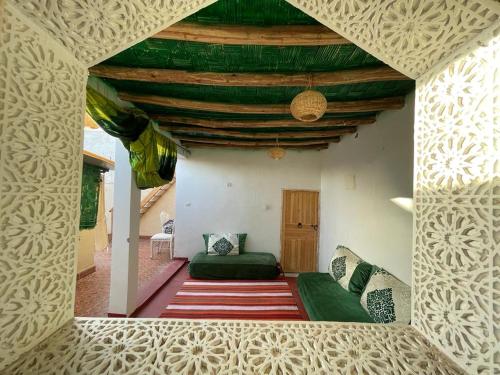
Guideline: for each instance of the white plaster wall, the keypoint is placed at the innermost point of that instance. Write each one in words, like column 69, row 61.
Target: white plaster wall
column 205, row 202
column 150, row 221
column 361, row 215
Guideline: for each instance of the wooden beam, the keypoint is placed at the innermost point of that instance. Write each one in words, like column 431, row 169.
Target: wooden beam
column 321, row 146
column 98, row 160
column 176, row 130
column 89, row 122
column 287, row 35
column 373, row 105
column 262, row 124
column 217, row 141
column 333, row 107
column 341, row 77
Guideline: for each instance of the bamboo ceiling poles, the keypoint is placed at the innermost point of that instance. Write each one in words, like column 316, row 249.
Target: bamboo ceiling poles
column 234, row 81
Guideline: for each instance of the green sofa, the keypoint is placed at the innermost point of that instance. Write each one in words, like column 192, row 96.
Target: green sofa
column 324, row 299
column 249, row 265
column 354, row 291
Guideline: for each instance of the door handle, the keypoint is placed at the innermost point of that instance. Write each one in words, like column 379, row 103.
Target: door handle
column 315, row 226
column 299, row 225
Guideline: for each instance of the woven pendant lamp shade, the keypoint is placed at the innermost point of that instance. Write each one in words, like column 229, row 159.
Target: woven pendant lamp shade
column 308, row 106
column 276, row 153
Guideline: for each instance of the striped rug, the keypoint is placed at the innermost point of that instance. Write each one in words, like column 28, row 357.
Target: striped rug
column 209, row 299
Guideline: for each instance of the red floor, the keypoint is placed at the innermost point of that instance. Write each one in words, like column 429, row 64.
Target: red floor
column 157, row 304
column 92, row 291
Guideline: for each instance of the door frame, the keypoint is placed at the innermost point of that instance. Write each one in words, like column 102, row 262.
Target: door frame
column 319, row 222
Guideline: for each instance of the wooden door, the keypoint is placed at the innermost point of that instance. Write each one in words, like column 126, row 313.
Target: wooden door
column 299, row 231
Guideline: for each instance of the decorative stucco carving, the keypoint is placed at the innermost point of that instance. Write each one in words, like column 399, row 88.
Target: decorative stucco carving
column 410, row 35
column 41, row 117
column 457, row 206
column 457, row 195
column 93, row 30
column 164, row 346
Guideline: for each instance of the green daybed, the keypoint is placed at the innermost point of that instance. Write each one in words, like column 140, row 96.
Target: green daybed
column 325, row 299
column 354, row 291
column 249, row 265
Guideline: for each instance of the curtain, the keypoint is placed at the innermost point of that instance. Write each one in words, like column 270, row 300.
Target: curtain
column 89, row 204
column 153, row 156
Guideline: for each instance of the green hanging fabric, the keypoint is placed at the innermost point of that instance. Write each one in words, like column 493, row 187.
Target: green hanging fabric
column 125, row 124
column 153, row 158
column 152, row 155
column 167, row 153
column 89, row 204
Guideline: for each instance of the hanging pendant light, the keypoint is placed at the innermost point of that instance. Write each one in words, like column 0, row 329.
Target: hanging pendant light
column 276, row 152
column 309, row 105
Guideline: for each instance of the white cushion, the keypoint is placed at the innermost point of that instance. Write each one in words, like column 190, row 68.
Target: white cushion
column 161, row 236
column 342, row 266
column 387, row 299
column 223, row 244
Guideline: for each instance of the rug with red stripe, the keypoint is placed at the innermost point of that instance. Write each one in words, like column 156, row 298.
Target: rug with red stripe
column 234, row 299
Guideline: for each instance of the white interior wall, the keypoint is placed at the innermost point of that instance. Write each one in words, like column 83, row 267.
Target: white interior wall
column 360, row 216
column 238, row 191
column 359, row 177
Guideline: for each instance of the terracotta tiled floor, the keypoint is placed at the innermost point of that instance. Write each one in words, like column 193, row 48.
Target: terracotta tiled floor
column 92, row 291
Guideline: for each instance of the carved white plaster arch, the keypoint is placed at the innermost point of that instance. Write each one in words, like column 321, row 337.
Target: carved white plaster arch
column 42, row 102
column 456, row 265
column 170, row 346
column 45, row 46
column 93, row 30
column 410, row 35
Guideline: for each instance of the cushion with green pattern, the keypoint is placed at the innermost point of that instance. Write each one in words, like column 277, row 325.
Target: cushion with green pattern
column 343, row 265
column 241, row 241
column 387, row 299
column 223, row 244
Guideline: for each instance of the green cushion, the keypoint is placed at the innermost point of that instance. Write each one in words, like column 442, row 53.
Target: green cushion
column 324, row 299
column 241, row 238
column 360, row 278
column 252, row 266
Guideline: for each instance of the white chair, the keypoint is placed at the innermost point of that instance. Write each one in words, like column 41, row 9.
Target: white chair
column 164, row 241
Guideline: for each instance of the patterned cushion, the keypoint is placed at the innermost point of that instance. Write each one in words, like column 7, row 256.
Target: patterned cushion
column 168, row 227
column 342, row 266
column 241, row 240
column 387, row 299
column 223, row 244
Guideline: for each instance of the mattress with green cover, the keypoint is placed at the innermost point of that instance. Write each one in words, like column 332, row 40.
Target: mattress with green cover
column 324, row 299
column 249, row 265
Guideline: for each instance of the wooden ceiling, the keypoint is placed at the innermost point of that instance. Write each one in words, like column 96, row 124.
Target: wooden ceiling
column 225, row 77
